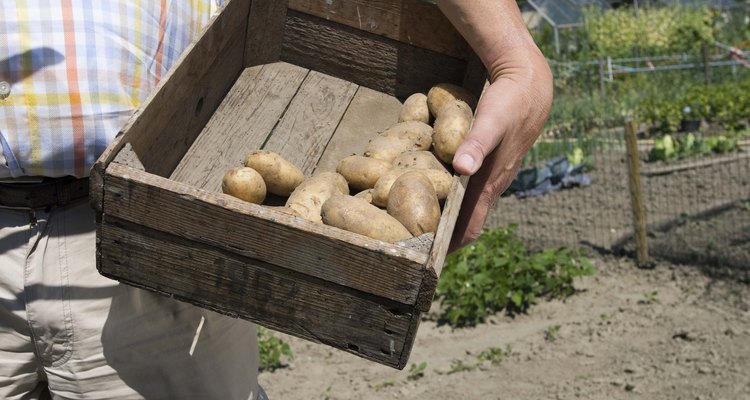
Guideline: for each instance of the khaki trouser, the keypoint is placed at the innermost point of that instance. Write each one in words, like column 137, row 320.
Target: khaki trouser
column 67, row 332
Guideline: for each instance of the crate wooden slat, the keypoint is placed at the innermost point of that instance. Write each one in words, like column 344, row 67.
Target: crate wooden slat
column 256, row 102
column 369, row 112
column 253, row 231
column 315, row 88
column 283, row 299
column 380, row 63
column 415, row 23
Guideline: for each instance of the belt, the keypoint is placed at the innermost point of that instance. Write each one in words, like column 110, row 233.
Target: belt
column 48, row 193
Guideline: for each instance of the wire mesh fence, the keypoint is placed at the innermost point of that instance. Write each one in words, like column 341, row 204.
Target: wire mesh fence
column 697, row 208
column 690, row 97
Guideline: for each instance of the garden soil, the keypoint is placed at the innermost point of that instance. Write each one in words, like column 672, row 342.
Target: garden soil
column 671, row 332
column 676, row 330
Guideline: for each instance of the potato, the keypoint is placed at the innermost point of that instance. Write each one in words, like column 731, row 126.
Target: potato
column 365, row 195
column 418, row 159
column 387, row 148
column 280, row 175
column 418, row 132
column 244, row 183
column 440, row 94
column 309, row 196
column 399, row 138
column 413, row 202
column 362, row 172
column 415, row 109
column 357, row 215
column 450, row 129
column 441, row 181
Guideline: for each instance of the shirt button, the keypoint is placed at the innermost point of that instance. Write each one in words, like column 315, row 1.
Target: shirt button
column 4, row 90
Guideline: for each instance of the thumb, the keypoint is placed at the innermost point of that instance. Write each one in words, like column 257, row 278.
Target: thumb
column 485, row 134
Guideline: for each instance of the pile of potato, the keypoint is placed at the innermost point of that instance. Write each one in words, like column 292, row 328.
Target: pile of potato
column 399, row 181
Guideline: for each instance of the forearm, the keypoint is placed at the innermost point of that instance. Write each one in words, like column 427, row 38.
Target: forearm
column 511, row 111
column 493, row 28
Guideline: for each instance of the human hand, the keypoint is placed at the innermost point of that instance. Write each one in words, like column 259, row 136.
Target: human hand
column 508, row 120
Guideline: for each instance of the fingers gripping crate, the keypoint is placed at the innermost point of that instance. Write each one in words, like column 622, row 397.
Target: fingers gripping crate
column 312, row 81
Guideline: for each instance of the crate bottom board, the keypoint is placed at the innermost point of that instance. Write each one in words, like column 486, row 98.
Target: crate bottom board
column 293, row 303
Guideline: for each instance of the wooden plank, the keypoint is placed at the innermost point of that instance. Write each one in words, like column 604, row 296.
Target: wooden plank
column 636, row 194
column 311, row 119
column 414, row 22
column 379, row 63
column 369, row 113
column 242, row 123
column 683, row 166
column 411, row 336
column 180, row 106
column 264, row 31
column 263, row 293
column 264, row 234
column 443, row 235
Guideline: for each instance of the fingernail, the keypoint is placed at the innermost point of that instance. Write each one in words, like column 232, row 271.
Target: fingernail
column 466, row 162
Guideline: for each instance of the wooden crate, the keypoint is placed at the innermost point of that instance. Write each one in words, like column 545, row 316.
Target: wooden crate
column 313, row 81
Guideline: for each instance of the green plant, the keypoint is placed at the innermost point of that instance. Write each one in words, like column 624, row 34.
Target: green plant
column 651, row 297
column 460, row 366
column 550, row 335
column 381, row 386
column 497, row 272
column 494, row 355
column 416, row 371
column 657, row 30
column 272, row 350
column 666, row 148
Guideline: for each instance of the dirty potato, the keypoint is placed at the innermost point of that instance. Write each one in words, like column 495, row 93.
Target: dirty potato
column 362, row 172
column 413, row 202
column 399, row 138
column 442, row 93
column 415, row 109
column 307, row 199
column 441, row 181
column 451, row 128
column 280, row 175
column 244, row 183
column 365, row 195
column 357, row 215
column 418, row 159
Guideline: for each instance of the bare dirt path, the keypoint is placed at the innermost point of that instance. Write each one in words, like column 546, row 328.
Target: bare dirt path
column 667, row 333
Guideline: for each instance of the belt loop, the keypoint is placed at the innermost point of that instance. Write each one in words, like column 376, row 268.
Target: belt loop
column 32, row 217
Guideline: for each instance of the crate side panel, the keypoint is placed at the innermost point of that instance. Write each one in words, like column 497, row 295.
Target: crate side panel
column 265, row 31
column 382, row 64
column 242, row 287
column 369, row 113
column 242, row 123
column 264, row 234
column 313, row 115
column 442, row 242
column 414, row 22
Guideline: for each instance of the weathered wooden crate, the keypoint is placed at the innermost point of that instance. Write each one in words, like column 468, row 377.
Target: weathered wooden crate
column 313, row 81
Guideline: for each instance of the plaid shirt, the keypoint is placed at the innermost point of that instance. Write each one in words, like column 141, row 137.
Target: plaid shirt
column 73, row 71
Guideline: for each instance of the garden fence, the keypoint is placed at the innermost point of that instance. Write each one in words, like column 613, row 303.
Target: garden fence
column 697, row 208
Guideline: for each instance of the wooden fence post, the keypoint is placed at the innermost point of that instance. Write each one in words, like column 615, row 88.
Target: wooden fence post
column 636, row 194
